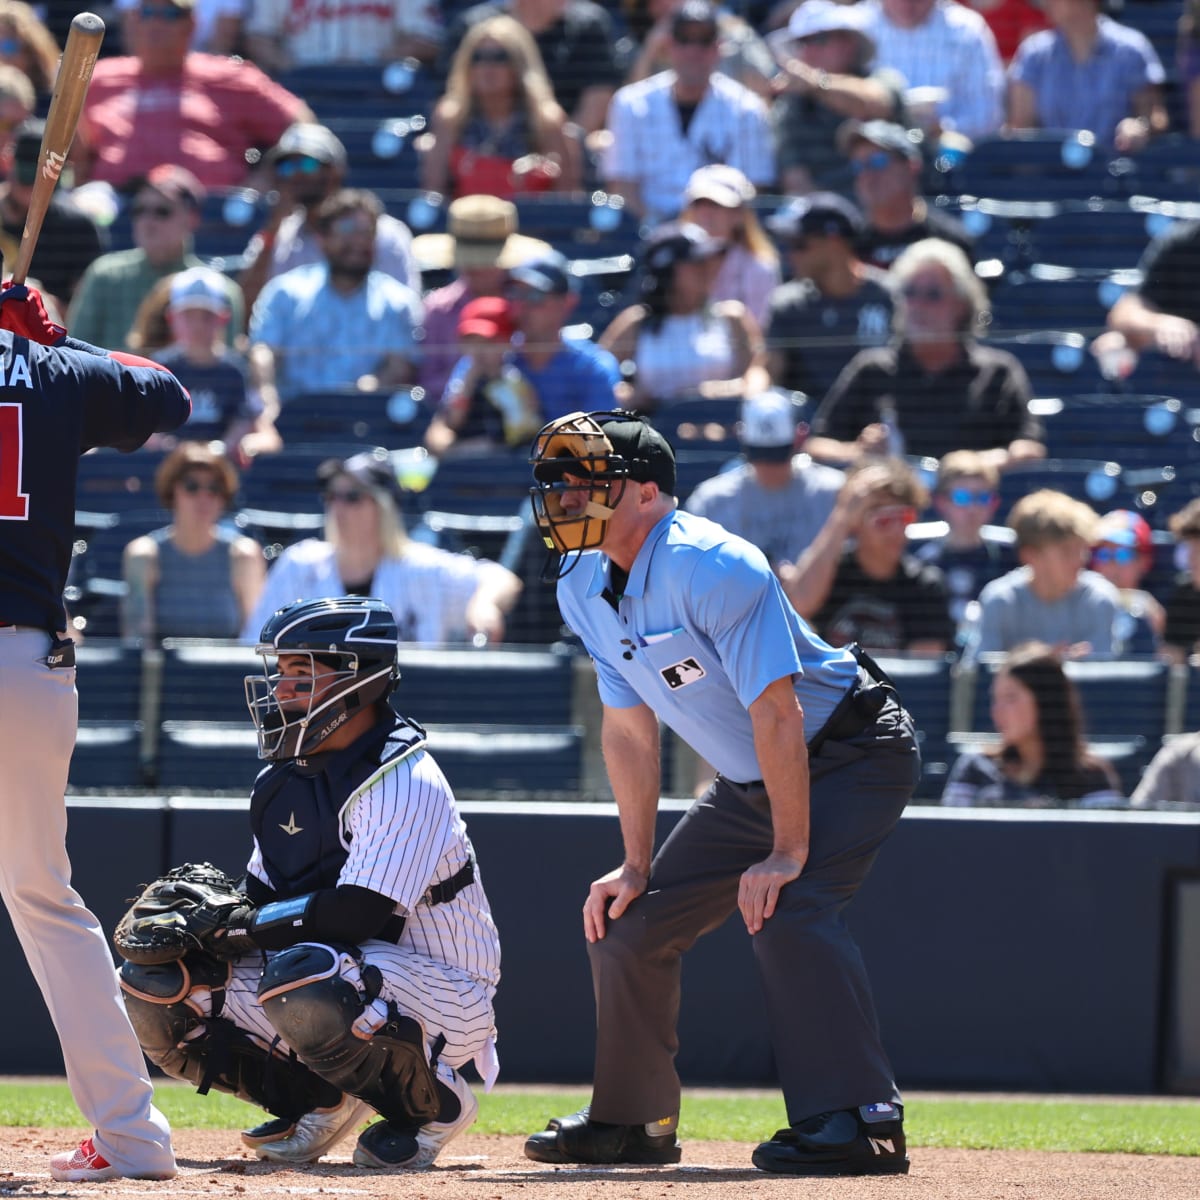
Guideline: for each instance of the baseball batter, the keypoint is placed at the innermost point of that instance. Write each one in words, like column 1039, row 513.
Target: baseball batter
column 816, row 759
column 58, row 398
column 361, row 974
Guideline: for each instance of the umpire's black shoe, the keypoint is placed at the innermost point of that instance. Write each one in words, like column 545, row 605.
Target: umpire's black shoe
column 857, row 1141
column 579, row 1139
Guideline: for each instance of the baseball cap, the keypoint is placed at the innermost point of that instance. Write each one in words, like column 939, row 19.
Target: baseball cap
column 27, row 145
column 887, row 135
column 827, row 16
column 487, row 316
column 824, row 213
column 199, row 287
column 723, row 185
column 767, row 427
column 1124, row 527
column 174, row 182
column 372, row 468
column 645, row 450
column 676, row 242
column 309, row 140
column 694, row 12
column 547, row 273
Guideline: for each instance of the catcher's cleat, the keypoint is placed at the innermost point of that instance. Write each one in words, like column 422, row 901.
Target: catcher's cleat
column 863, row 1141
column 274, row 1130
column 316, row 1132
column 85, row 1164
column 579, row 1139
column 383, row 1145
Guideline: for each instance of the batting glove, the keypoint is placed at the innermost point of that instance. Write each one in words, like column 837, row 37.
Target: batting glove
column 23, row 313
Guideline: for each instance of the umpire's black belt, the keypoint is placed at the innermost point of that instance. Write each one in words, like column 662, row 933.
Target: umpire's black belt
column 437, row 893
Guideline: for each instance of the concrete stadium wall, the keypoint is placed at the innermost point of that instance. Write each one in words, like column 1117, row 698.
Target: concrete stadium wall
column 1008, row 950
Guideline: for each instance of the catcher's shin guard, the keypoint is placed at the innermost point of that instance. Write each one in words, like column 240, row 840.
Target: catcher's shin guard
column 209, row 1050
column 316, row 1009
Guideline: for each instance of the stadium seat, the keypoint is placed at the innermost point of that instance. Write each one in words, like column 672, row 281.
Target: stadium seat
column 1169, row 167
column 701, row 424
column 228, row 219
column 924, row 687
column 1055, row 299
column 1100, row 236
column 287, row 482
column 1141, row 430
column 496, row 483
column 1096, row 482
column 1057, row 361
column 110, row 481
column 109, row 680
column 507, row 758
column 107, row 755
column 202, row 680
column 97, row 584
column 393, row 420
column 207, row 756
column 1039, row 164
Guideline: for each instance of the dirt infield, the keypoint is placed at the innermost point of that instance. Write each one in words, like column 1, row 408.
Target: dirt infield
column 213, row 1165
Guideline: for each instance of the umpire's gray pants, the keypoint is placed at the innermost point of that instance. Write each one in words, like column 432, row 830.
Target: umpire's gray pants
column 820, row 1011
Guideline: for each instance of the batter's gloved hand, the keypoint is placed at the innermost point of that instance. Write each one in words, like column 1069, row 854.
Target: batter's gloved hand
column 22, row 312
column 192, row 907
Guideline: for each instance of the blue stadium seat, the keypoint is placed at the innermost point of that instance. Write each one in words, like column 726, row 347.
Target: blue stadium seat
column 1057, row 361
column 1169, row 167
column 700, row 423
column 110, row 481
column 207, row 756
column 1143, row 431
column 107, row 755
column 1096, row 482
column 228, row 219
column 395, row 421
column 1105, row 237
column 287, row 482
column 500, row 758
column 202, row 680
column 1037, row 165
column 1058, row 300
column 109, row 680
column 924, row 687
column 496, row 483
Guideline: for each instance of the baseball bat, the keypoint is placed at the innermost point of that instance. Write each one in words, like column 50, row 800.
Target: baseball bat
column 66, row 103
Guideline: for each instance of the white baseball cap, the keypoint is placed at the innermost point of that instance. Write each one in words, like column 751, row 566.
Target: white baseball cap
column 767, row 426
column 723, row 185
column 827, row 16
column 199, row 287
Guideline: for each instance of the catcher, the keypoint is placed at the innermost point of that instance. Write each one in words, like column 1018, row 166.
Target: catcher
column 355, row 973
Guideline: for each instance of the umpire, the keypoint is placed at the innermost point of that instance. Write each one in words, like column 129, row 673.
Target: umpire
column 58, row 398
column 816, row 759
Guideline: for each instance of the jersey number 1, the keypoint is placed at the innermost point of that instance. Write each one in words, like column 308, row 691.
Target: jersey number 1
column 14, row 503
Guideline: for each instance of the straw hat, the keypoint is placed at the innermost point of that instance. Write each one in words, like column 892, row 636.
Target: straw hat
column 481, row 232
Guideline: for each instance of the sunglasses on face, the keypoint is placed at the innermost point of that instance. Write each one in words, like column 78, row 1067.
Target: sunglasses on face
column 285, row 168
column 1115, row 554
column 10, row 46
column 891, row 515
column 164, row 14
column 703, row 40
column 965, row 498
column 195, row 486
column 161, row 211
column 878, row 161
column 344, row 496
column 524, row 295
column 924, row 295
column 489, row 56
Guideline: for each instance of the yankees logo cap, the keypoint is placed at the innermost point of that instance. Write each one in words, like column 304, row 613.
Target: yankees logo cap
column 767, row 426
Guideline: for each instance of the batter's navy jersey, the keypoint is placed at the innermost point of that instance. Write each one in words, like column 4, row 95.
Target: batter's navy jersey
column 700, row 631
column 55, row 404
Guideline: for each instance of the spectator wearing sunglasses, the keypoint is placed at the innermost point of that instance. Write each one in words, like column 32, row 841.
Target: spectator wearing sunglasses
column 282, row 35
column 666, row 127
column 166, row 212
column 435, row 596
column 218, row 28
column 935, row 388
column 1181, row 637
column 884, row 160
column 826, row 54
column 164, row 102
column 833, row 306
column 858, row 583
column 197, row 576
column 1052, row 596
column 968, row 550
column 1124, row 553
column 307, row 165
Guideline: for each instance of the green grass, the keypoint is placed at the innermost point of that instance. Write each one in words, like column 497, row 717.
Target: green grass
column 1157, row 1127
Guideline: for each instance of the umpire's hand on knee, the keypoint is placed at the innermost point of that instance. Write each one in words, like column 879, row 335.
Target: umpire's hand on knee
column 758, row 891
column 621, row 887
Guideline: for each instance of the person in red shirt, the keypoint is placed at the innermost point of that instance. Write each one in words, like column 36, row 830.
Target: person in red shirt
column 1011, row 22
column 165, row 103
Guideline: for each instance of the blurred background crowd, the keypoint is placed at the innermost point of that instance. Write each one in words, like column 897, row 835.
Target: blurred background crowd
column 910, row 285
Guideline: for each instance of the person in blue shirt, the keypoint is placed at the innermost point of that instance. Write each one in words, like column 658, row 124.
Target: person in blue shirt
column 566, row 374
column 815, row 760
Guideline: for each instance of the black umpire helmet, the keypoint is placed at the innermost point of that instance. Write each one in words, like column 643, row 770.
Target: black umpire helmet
column 354, row 636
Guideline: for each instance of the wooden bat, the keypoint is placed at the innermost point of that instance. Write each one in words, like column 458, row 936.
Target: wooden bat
column 66, row 103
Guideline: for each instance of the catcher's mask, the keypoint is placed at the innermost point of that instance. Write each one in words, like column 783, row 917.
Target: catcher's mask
column 576, row 445
column 356, row 637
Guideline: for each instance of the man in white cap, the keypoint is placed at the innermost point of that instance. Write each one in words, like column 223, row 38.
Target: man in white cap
column 480, row 245
column 778, row 499
column 826, row 55
column 308, row 164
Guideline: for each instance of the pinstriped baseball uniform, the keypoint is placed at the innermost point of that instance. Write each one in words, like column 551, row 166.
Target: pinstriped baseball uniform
column 56, row 403
column 397, row 832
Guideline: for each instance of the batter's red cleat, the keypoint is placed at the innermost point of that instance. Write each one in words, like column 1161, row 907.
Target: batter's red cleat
column 85, row 1164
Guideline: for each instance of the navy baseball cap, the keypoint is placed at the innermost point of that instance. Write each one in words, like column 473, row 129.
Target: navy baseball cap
column 822, row 213
column 676, row 242
column 645, row 450
column 887, row 135
column 547, row 273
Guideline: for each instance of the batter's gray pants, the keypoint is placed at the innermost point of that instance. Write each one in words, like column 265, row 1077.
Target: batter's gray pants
column 64, row 945
column 821, row 1015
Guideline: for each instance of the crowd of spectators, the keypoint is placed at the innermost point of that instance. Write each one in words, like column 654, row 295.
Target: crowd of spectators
column 878, row 424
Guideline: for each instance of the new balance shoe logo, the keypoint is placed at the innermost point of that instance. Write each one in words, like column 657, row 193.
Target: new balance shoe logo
column 879, row 1145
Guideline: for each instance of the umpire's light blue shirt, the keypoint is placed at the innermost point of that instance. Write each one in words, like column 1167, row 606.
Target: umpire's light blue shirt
column 703, row 627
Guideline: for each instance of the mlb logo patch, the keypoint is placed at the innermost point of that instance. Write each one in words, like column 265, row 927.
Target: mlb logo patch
column 680, row 674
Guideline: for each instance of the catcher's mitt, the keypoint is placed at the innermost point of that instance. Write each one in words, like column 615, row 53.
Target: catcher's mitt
column 191, row 907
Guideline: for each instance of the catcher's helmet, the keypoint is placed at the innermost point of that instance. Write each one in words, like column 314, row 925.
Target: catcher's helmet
column 354, row 635
column 601, row 451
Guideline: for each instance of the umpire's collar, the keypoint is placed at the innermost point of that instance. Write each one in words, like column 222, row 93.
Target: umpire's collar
column 635, row 585
column 338, row 764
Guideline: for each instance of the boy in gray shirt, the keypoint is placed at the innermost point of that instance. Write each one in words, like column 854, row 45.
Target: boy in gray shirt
column 1050, row 597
